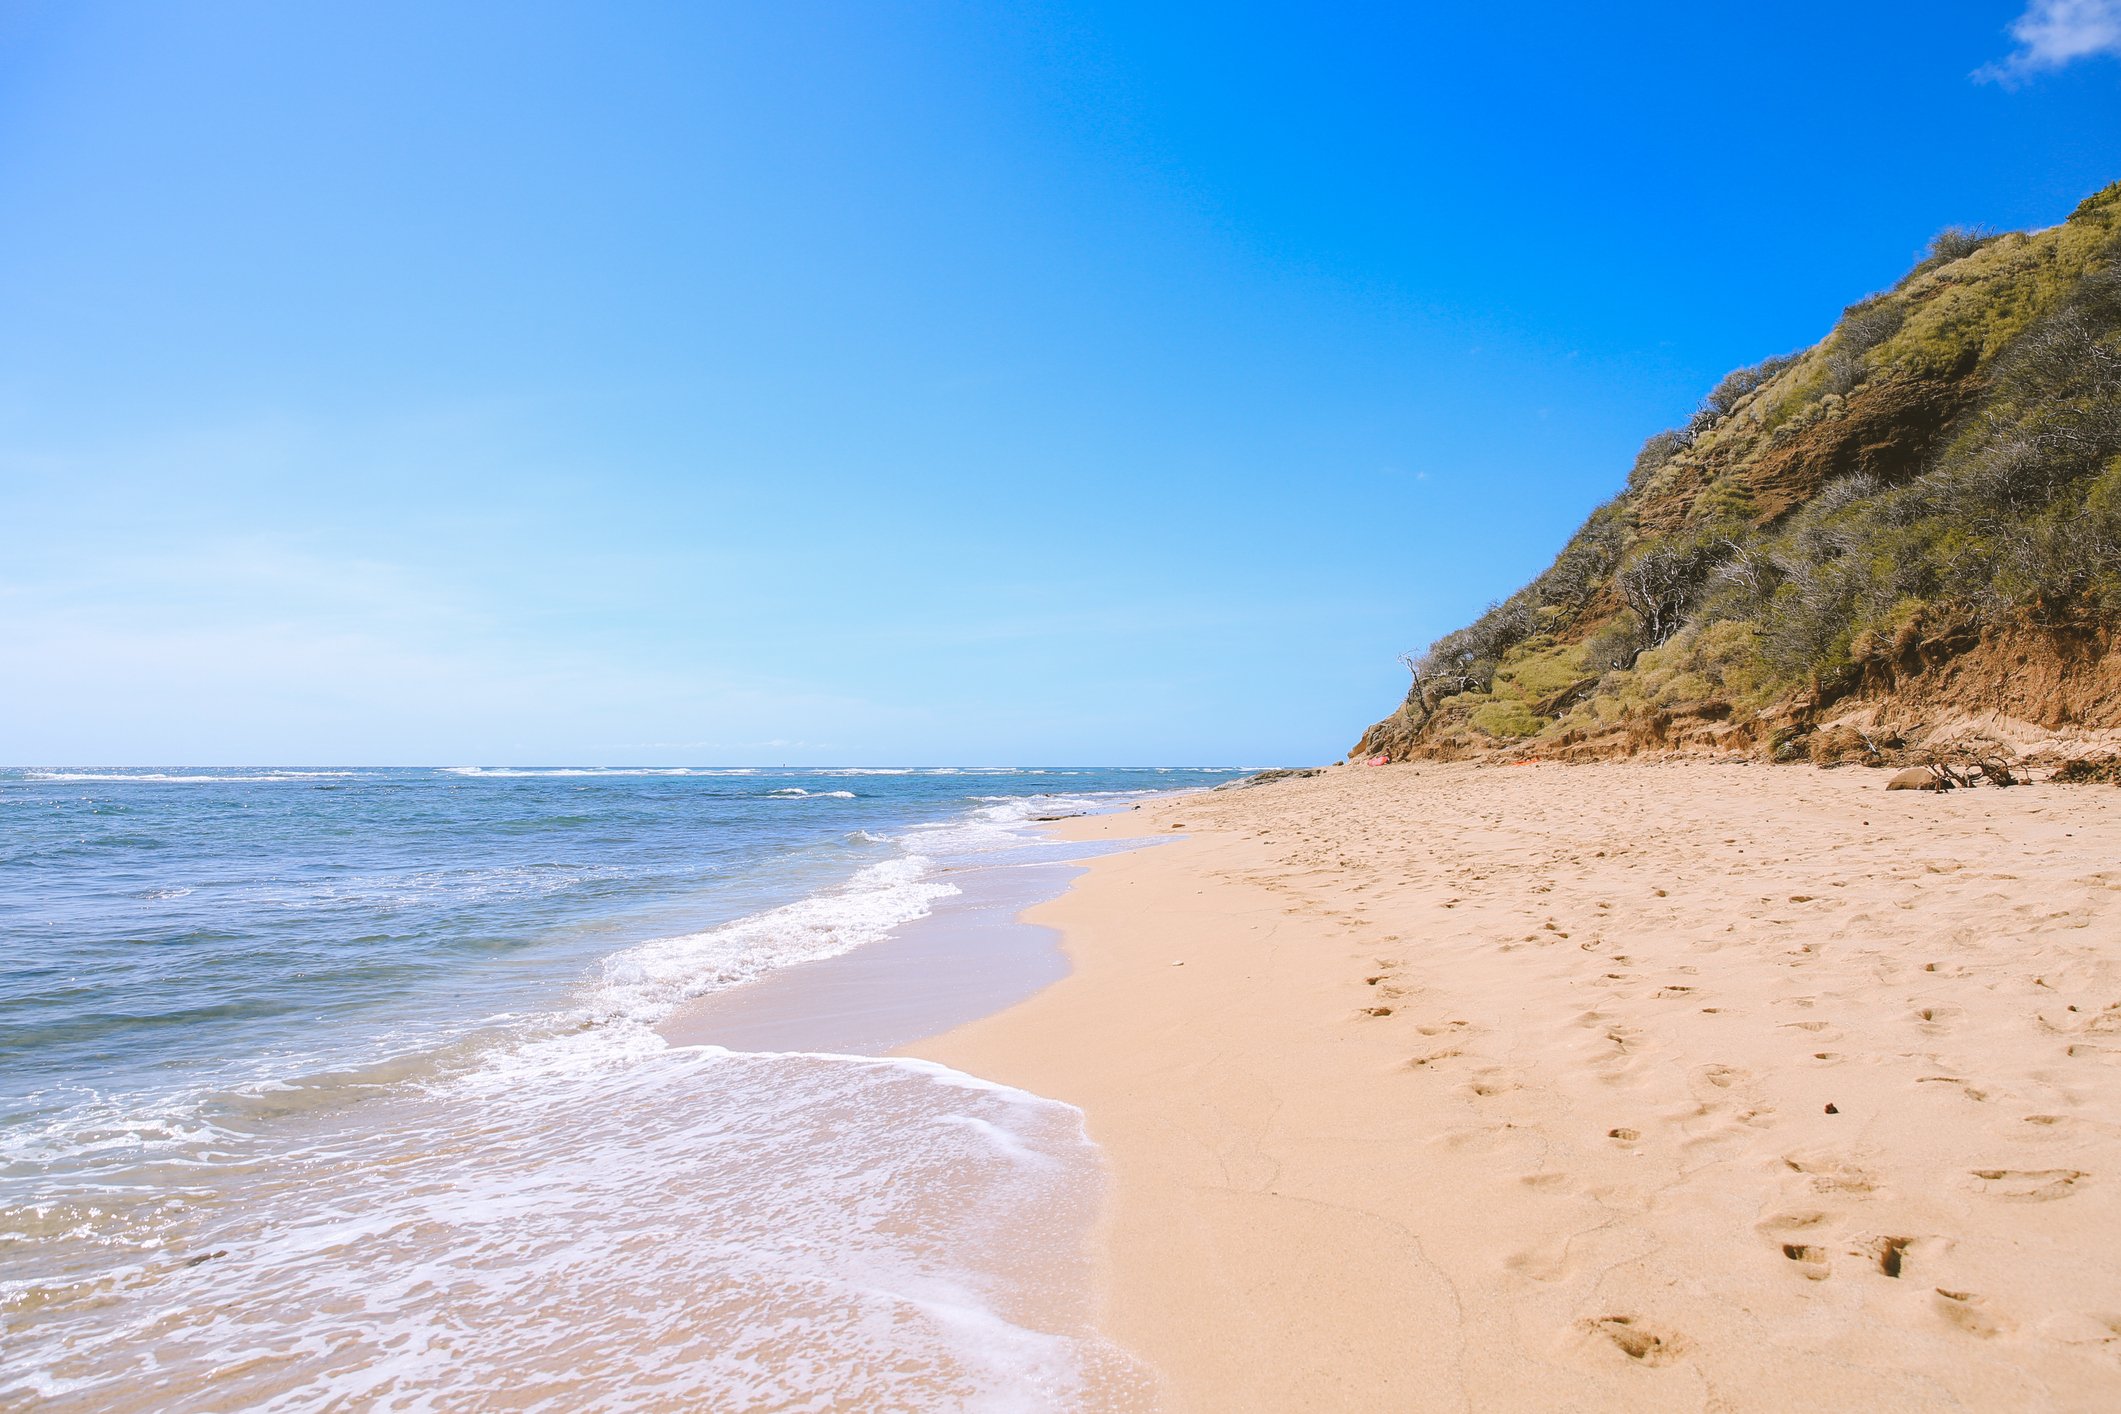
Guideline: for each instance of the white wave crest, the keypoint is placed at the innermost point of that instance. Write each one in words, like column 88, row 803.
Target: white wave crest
column 644, row 983
column 535, row 773
column 169, row 777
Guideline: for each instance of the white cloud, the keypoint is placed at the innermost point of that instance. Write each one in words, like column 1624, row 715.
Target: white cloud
column 2052, row 33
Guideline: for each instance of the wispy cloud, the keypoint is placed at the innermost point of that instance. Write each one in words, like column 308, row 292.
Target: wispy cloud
column 2053, row 33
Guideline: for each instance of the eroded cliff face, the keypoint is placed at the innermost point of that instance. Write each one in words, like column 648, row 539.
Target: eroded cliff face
column 1906, row 536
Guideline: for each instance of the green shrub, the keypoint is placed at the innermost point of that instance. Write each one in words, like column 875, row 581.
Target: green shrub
column 1735, row 387
column 1655, row 453
column 1864, row 326
column 1508, row 720
column 2007, row 370
column 1956, row 243
column 1540, row 671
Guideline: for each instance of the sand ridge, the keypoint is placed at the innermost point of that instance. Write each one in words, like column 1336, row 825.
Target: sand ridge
column 1599, row 1087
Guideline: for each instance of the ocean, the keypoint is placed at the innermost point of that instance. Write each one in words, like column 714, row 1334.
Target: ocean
column 346, row 1089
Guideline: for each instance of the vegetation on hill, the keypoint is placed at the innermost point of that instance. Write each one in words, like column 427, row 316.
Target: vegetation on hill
column 1920, row 513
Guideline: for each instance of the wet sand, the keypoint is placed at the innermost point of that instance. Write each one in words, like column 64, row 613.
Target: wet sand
column 972, row 956
column 1600, row 1087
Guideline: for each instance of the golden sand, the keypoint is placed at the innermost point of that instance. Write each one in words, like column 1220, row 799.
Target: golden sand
column 1614, row 1087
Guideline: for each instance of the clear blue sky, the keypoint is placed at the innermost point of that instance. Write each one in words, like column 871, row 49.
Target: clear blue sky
column 907, row 382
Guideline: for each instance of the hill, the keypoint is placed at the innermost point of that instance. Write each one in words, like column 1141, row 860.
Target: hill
column 1901, row 541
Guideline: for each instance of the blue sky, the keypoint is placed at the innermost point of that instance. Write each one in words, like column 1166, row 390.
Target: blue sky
column 839, row 383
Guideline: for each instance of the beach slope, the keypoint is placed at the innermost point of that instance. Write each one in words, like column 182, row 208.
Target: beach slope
column 1623, row 1086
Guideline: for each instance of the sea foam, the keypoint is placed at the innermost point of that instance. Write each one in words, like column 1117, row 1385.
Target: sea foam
column 542, row 1201
column 692, row 1227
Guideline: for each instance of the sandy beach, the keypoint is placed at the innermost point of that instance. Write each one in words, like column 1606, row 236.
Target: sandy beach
column 1598, row 1087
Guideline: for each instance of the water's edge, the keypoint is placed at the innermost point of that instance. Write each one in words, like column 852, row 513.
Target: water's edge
column 745, row 1197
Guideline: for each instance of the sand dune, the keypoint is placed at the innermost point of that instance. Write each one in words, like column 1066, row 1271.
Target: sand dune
column 1601, row 1087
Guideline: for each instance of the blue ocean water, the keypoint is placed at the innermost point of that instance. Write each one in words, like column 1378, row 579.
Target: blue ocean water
column 318, row 1088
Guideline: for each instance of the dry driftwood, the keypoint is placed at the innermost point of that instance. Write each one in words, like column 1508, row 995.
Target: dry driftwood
column 1948, row 775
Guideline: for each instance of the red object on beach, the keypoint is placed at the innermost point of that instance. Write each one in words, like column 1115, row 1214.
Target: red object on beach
column 1380, row 760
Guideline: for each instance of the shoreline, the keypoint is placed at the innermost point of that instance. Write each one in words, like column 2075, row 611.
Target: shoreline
column 811, row 1218
column 972, row 955
column 1642, row 1086
column 976, row 955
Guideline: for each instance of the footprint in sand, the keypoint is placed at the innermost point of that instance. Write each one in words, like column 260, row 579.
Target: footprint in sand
column 1829, row 1175
column 2028, row 1185
column 1543, row 1264
column 1891, row 1253
column 1811, row 1262
column 1487, row 1084
column 1971, row 1092
column 1481, row 1138
column 1796, row 1235
column 2107, row 1022
column 1721, row 1077
column 1969, row 1312
column 1637, row 1339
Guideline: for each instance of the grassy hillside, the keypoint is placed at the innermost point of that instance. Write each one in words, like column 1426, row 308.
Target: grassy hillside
column 1918, row 518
